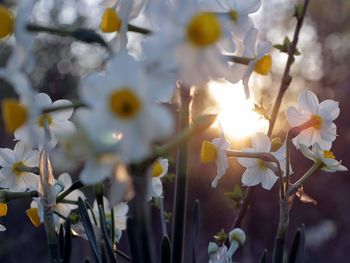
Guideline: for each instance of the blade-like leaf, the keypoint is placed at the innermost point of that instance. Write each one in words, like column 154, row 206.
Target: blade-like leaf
column 135, row 248
column 165, row 251
column 297, row 251
column 263, row 258
column 61, row 240
column 88, row 228
column 67, row 243
column 195, row 229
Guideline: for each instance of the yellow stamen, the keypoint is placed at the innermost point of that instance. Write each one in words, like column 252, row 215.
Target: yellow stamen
column 209, row 152
column 44, row 118
column 3, row 209
column 317, row 120
column 124, row 104
column 263, row 65
column 234, row 15
column 204, row 29
column 157, row 169
column 328, row 155
column 262, row 164
column 14, row 114
column 33, row 216
column 6, row 22
column 110, row 21
column 16, row 168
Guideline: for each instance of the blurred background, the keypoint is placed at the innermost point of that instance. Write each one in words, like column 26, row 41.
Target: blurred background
column 323, row 67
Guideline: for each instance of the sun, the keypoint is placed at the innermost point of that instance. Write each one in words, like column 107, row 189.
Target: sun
column 236, row 114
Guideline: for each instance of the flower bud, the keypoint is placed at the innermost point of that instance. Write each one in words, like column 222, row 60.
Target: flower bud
column 238, row 235
column 212, row 248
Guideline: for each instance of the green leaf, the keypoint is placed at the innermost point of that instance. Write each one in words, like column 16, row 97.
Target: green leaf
column 298, row 10
column 221, row 237
column 195, row 228
column 88, row 228
column 67, row 243
column 263, row 258
column 61, row 241
column 297, row 251
column 134, row 242
column 236, row 195
column 284, row 48
column 165, row 251
column 88, row 36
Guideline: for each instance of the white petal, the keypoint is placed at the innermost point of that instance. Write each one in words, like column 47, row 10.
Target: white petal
column 33, row 159
column 7, row 157
column 295, row 117
column 94, row 173
column 2, row 228
column 61, row 128
column 308, row 102
column 66, row 179
column 22, row 150
column 7, row 178
column 268, row 179
column 62, row 115
column 43, row 100
column 328, row 132
column 251, row 176
column 163, row 124
column 157, row 187
column 261, row 142
column 329, row 110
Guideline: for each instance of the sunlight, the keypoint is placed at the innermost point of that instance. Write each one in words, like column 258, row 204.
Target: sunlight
column 236, row 113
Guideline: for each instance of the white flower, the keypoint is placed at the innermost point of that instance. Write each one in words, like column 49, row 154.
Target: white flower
column 218, row 256
column 120, row 215
column 330, row 164
column 188, row 39
column 116, row 19
column 258, row 52
column 158, row 170
column 12, row 161
column 216, row 151
column 238, row 10
column 36, row 212
column 259, row 171
column 57, row 121
column 322, row 114
column 122, row 102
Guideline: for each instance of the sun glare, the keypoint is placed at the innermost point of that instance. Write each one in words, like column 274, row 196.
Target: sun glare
column 236, row 114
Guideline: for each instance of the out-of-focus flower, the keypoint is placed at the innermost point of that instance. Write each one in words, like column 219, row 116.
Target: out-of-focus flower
column 12, row 162
column 190, row 42
column 158, row 170
column 120, row 215
column 36, row 212
column 125, row 107
column 259, row 171
column 115, row 20
column 237, row 10
column 57, row 121
column 3, row 212
column 326, row 157
column 322, row 114
column 217, row 254
column 216, row 151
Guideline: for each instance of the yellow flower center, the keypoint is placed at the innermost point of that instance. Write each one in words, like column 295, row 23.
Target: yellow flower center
column 317, row 120
column 263, row 65
column 110, row 21
column 44, row 118
column 6, row 22
column 204, row 29
column 14, row 114
column 3, row 209
column 17, row 168
column 328, row 155
column 33, row 216
column 262, row 164
column 124, row 104
column 157, row 169
column 209, row 152
column 234, row 15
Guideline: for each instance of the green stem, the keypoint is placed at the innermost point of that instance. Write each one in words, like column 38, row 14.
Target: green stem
column 140, row 30
column 240, row 60
column 162, row 219
column 76, row 185
column 50, row 30
column 74, row 105
column 287, row 182
column 181, row 181
column 7, row 196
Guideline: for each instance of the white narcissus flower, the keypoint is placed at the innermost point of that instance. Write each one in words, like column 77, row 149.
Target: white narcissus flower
column 57, row 121
column 261, row 61
column 36, row 212
column 120, row 215
column 125, row 107
column 259, row 171
column 188, row 39
column 218, row 254
column 238, row 10
column 316, row 154
column 322, row 114
column 115, row 19
column 12, row 163
column 216, row 151
column 158, row 170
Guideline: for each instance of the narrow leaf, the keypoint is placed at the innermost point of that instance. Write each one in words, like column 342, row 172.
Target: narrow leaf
column 67, row 243
column 297, row 251
column 134, row 242
column 195, row 229
column 61, row 240
column 263, row 258
column 165, row 251
column 88, row 228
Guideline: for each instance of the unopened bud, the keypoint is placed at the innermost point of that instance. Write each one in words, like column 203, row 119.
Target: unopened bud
column 212, row 248
column 238, row 235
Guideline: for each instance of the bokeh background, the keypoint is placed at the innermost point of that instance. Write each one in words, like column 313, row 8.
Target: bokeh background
column 322, row 67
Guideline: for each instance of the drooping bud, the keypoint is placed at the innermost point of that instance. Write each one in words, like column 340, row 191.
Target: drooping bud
column 238, row 235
